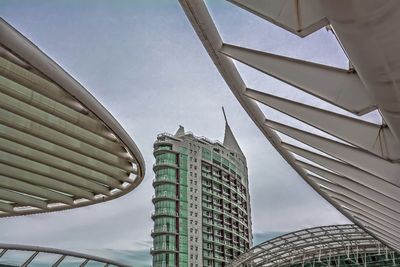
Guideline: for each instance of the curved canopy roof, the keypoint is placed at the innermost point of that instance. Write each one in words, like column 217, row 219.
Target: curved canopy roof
column 315, row 245
column 20, row 255
column 355, row 164
column 59, row 147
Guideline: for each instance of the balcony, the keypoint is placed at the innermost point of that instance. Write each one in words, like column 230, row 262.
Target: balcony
column 164, row 196
column 164, row 164
column 163, row 249
column 163, row 180
column 163, row 213
column 163, row 231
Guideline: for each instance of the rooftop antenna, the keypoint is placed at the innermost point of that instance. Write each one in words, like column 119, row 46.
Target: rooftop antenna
column 223, row 111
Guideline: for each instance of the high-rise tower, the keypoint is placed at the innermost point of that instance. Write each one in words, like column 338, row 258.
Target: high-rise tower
column 202, row 204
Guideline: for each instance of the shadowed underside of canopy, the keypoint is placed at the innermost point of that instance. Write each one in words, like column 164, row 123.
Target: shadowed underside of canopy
column 59, row 147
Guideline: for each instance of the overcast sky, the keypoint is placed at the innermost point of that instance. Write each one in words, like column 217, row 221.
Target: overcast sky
column 144, row 63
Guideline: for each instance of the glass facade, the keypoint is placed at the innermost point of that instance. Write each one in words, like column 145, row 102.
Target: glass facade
column 170, row 203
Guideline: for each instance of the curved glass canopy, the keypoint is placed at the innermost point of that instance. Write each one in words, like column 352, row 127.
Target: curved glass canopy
column 334, row 245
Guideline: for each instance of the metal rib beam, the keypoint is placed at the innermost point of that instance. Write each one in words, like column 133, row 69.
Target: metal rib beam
column 34, row 114
column 46, row 133
column 371, row 137
column 352, row 155
column 373, row 220
column 355, row 187
column 40, row 180
column 6, row 207
column 58, row 262
column 333, row 85
column 352, row 173
column 387, row 231
column 61, row 152
column 294, row 16
column 327, row 186
column 43, row 102
column 23, row 199
column 31, row 258
column 341, row 194
column 12, row 184
column 352, row 205
column 42, row 169
column 55, row 162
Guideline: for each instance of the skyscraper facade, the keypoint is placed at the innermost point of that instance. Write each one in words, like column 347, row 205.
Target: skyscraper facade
column 202, row 204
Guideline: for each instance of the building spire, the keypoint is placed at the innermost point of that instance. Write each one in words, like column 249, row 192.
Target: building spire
column 180, row 131
column 229, row 139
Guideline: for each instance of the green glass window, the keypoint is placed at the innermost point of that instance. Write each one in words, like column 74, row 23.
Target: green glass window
column 206, row 153
column 168, row 158
column 166, row 190
column 183, row 161
column 183, row 150
column 216, row 158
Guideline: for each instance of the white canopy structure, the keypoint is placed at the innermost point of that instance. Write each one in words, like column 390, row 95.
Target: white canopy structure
column 59, row 147
column 358, row 168
column 333, row 245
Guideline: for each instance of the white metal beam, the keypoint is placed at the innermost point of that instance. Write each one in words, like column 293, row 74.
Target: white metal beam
column 333, row 85
column 20, row 123
column 327, row 186
column 40, row 180
column 29, row 189
column 55, row 162
column 298, row 17
column 352, row 173
column 349, row 204
column 42, row 169
column 360, row 189
column 22, row 199
column 352, row 155
column 55, row 150
column 374, row 138
column 346, row 194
